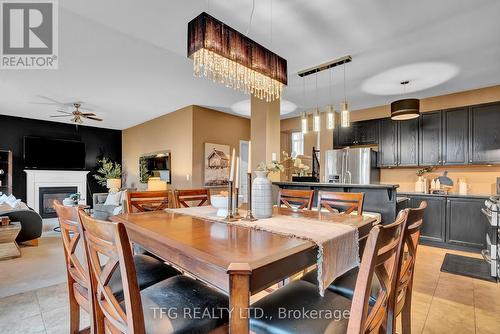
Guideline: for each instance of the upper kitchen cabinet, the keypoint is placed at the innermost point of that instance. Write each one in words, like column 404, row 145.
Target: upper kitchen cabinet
column 359, row 133
column 484, row 143
column 408, row 143
column 455, row 137
column 387, row 143
column 430, row 138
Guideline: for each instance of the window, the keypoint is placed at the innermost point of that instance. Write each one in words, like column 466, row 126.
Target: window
column 298, row 143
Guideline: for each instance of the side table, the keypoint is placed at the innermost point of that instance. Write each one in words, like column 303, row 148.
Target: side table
column 8, row 245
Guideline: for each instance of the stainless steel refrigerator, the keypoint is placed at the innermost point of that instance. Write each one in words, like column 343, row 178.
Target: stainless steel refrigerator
column 351, row 165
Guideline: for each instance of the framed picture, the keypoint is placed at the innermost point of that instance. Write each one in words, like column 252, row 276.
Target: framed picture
column 216, row 165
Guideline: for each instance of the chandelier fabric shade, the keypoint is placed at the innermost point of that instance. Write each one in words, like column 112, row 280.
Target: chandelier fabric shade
column 405, row 109
column 225, row 55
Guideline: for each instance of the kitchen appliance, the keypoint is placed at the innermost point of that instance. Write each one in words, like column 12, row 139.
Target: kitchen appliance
column 492, row 252
column 351, row 165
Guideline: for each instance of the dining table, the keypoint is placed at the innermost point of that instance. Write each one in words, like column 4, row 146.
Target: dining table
column 236, row 260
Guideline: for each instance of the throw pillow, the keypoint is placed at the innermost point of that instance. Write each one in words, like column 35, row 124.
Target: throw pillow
column 3, row 198
column 13, row 202
column 113, row 198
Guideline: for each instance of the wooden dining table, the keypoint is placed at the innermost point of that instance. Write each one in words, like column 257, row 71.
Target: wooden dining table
column 237, row 260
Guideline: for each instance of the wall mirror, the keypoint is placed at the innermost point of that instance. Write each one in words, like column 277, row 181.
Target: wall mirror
column 156, row 164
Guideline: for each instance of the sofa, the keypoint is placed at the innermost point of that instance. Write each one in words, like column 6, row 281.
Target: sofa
column 31, row 222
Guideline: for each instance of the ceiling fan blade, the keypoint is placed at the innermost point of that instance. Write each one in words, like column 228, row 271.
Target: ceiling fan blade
column 93, row 118
column 47, row 103
column 88, row 114
column 61, row 115
column 50, row 99
column 65, row 112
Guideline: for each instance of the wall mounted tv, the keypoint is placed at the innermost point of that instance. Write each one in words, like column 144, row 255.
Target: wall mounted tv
column 53, row 153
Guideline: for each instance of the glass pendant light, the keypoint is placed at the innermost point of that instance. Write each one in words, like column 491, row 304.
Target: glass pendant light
column 303, row 122
column 330, row 110
column 316, row 120
column 344, row 110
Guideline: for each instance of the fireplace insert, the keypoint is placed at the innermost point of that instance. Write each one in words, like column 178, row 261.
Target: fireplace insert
column 47, row 197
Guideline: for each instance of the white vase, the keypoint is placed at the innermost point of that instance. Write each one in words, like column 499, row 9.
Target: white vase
column 262, row 201
column 114, row 185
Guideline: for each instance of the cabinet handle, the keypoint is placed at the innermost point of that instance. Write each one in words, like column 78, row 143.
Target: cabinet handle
column 470, row 160
column 444, row 161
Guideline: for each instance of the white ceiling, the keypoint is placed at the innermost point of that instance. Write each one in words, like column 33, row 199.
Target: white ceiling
column 127, row 59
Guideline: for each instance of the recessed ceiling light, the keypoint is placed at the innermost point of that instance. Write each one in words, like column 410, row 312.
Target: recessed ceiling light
column 420, row 75
column 243, row 107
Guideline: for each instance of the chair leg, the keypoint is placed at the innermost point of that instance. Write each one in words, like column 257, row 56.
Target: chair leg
column 406, row 311
column 74, row 309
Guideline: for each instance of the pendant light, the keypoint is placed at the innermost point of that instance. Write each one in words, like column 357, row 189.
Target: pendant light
column 330, row 110
column 405, row 109
column 316, row 116
column 303, row 122
column 345, row 121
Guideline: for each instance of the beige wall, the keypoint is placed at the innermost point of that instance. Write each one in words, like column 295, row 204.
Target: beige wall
column 169, row 132
column 215, row 127
column 481, row 179
column 184, row 133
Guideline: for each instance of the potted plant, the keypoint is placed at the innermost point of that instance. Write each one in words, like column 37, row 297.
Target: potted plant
column 109, row 174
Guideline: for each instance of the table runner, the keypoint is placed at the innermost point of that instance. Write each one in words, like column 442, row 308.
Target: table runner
column 338, row 246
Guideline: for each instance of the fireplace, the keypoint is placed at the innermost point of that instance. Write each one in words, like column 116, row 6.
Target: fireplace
column 47, row 195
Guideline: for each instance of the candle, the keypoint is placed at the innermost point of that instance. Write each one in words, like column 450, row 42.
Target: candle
column 249, row 157
column 237, row 182
column 273, row 157
column 231, row 172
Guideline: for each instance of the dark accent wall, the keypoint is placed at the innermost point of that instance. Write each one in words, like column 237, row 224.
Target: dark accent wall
column 99, row 143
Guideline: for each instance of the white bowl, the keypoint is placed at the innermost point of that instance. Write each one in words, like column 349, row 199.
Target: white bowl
column 220, row 203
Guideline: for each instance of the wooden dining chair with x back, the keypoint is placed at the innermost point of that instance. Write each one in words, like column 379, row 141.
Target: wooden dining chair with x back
column 144, row 201
column 140, row 311
column 192, row 197
column 79, row 284
column 338, row 202
column 353, row 317
column 296, row 199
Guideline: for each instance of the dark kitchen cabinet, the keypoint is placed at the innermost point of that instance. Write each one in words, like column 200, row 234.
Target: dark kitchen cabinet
column 434, row 226
column 465, row 223
column 455, row 137
column 345, row 137
column 430, row 138
column 359, row 133
column 387, row 143
column 407, row 144
column 484, row 143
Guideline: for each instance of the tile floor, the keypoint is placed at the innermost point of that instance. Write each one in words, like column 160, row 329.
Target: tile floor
column 442, row 303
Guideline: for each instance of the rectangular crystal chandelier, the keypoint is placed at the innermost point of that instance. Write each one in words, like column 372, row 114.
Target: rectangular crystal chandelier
column 224, row 55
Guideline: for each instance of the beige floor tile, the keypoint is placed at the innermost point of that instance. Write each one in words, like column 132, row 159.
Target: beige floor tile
column 18, row 307
column 459, row 291
column 56, row 321
column 29, row 325
column 487, row 322
column 449, row 317
column 55, row 296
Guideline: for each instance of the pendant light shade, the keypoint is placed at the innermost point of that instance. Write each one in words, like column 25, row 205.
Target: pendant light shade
column 406, row 109
column 303, row 122
column 330, row 117
column 316, row 121
column 345, row 120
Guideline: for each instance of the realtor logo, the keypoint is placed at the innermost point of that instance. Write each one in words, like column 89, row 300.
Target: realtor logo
column 29, row 34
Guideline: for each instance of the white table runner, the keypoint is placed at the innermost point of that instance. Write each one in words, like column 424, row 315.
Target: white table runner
column 338, row 246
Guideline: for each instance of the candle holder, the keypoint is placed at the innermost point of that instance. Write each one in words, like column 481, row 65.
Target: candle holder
column 230, row 216
column 236, row 213
column 249, row 217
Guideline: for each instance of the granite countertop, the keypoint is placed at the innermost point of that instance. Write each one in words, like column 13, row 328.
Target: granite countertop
column 338, row 185
column 409, row 193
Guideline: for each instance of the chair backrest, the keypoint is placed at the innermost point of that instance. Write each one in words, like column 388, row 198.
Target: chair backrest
column 108, row 249
column 406, row 264
column 72, row 236
column 200, row 197
column 341, row 202
column 142, row 201
column 380, row 258
column 296, row 199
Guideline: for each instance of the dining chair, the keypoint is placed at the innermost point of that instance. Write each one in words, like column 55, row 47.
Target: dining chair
column 336, row 201
column 143, row 201
column 296, row 199
column 160, row 308
column 199, row 196
column 79, row 283
column 353, row 317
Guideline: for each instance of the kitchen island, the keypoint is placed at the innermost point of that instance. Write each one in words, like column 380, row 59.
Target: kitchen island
column 379, row 198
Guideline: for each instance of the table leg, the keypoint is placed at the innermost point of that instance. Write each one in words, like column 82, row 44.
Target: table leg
column 239, row 297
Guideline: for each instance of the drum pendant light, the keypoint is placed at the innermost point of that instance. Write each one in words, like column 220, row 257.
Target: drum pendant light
column 405, row 109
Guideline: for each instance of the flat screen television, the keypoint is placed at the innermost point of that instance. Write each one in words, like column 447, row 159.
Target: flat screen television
column 53, row 153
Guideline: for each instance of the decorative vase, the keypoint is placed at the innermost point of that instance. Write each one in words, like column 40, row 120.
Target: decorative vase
column 262, row 201
column 113, row 185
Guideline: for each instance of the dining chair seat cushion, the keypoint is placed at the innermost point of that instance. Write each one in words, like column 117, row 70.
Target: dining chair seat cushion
column 183, row 305
column 298, row 308
column 345, row 284
column 149, row 271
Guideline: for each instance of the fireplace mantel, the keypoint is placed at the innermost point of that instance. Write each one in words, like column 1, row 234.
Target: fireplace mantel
column 36, row 178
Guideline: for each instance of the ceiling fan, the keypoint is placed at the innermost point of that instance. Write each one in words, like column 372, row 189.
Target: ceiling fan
column 77, row 115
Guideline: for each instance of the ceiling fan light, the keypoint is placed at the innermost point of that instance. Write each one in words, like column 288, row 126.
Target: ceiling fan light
column 406, row 109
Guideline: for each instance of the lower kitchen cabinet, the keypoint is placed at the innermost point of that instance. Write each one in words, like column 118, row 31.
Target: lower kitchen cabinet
column 455, row 222
column 465, row 223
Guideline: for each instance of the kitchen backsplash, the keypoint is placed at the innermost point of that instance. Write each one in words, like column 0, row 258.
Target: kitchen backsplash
column 481, row 179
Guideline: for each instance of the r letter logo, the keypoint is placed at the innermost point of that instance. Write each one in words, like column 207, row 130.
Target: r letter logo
column 29, row 34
